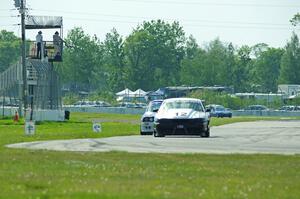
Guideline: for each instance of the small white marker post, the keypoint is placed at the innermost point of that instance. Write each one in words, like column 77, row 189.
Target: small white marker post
column 29, row 128
column 97, row 127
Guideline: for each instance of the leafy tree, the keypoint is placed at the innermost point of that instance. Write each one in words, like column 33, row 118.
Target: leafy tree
column 188, row 66
column 9, row 49
column 258, row 49
column 193, row 67
column 114, row 58
column 155, row 50
column 137, row 48
column 218, row 64
column 83, row 61
column 241, row 70
column 230, row 63
column 290, row 62
column 267, row 68
column 208, row 67
column 296, row 19
column 191, row 48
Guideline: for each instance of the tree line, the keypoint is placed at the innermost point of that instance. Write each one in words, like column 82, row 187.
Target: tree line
column 159, row 54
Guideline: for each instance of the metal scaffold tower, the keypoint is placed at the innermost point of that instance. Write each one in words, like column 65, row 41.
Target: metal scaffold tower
column 42, row 82
column 32, row 84
column 44, row 86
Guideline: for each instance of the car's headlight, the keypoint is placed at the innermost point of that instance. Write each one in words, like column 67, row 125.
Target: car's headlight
column 198, row 115
column 148, row 119
column 195, row 115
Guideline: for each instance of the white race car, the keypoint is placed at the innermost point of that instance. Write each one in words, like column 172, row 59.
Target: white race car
column 181, row 116
column 148, row 117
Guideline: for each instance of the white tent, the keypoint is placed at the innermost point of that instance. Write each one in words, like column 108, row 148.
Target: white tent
column 139, row 92
column 125, row 92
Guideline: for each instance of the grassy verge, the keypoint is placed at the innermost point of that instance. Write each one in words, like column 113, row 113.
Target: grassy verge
column 48, row 174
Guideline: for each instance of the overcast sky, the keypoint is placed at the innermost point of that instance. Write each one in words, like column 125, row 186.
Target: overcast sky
column 246, row 22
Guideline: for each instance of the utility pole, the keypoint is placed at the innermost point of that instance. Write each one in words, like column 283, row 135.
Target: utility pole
column 24, row 69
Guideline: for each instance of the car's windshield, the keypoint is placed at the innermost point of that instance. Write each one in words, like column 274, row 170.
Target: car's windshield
column 183, row 105
column 154, row 106
column 220, row 108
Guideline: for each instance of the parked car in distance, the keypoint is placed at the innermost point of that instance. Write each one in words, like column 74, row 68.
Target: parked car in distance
column 101, row 104
column 256, row 108
column 147, row 118
column 219, row 111
column 86, row 103
column 141, row 105
column 132, row 105
column 181, row 116
column 289, row 108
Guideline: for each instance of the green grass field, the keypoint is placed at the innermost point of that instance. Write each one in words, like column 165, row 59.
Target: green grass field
column 48, row 174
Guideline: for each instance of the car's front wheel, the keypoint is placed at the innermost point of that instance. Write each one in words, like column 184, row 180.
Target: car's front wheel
column 206, row 133
column 143, row 133
column 156, row 134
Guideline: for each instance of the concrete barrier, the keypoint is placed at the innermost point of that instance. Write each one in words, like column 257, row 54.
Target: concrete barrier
column 38, row 115
column 47, row 115
column 8, row 111
column 117, row 110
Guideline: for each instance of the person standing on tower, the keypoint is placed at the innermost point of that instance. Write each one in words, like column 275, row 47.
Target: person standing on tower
column 39, row 41
column 57, row 42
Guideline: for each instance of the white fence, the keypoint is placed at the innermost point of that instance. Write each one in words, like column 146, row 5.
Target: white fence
column 118, row 110
column 47, row 115
column 58, row 115
column 38, row 115
column 140, row 111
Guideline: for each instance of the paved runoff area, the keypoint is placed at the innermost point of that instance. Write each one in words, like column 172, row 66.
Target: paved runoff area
column 270, row 137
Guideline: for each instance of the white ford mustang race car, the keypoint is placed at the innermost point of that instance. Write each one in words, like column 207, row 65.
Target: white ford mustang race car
column 148, row 117
column 181, row 116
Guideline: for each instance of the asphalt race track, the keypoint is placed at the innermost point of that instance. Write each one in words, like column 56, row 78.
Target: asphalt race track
column 271, row 137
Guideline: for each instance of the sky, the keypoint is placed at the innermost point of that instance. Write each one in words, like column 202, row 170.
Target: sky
column 246, row 22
